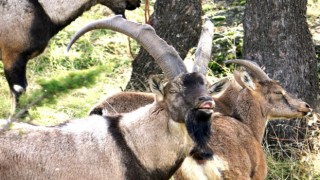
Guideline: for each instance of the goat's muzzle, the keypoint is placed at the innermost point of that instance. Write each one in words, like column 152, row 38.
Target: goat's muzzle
column 206, row 105
column 304, row 109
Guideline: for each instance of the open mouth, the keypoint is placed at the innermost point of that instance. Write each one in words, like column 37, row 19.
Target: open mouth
column 306, row 113
column 207, row 106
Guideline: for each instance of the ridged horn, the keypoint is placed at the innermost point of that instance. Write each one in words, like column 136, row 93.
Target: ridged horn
column 203, row 52
column 164, row 55
column 252, row 67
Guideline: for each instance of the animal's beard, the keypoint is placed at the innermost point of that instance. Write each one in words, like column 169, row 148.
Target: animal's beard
column 198, row 125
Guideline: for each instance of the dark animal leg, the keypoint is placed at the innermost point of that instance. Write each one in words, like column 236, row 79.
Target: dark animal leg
column 16, row 77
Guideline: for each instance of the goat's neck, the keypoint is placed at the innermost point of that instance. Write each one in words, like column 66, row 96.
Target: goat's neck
column 158, row 143
column 227, row 100
column 252, row 113
column 224, row 103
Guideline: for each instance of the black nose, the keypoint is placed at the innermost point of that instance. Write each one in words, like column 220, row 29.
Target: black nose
column 307, row 105
column 205, row 98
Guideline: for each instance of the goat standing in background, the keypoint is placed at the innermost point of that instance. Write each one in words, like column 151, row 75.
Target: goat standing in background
column 27, row 26
column 149, row 143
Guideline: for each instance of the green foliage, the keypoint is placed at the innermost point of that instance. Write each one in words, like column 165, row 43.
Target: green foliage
column 228, row 37
column 218, row 18
column 243, row 2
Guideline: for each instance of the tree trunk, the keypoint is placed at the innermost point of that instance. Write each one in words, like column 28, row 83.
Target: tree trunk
column 276, row 35
column 179, row 24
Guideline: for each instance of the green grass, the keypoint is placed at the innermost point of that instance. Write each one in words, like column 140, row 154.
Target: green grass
column 302, row 163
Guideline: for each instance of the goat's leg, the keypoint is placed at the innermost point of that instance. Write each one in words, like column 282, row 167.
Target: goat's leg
column 15, row 73
column 260, row 170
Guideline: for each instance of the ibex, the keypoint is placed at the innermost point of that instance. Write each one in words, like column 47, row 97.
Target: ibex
column 126, row 146
column 236, row 139
column 27, row 26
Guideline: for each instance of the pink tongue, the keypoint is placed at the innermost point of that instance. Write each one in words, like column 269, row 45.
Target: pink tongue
column 206, row 105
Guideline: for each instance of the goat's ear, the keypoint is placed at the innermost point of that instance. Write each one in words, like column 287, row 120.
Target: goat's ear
column 219, row 86
column 244, row 79
column 157, row 85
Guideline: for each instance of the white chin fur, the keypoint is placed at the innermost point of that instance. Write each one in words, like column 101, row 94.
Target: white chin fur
column 18, row 88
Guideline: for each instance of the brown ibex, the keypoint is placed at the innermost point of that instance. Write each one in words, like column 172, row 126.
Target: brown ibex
column 126, row 146
column 236, row 139
column 27, row 26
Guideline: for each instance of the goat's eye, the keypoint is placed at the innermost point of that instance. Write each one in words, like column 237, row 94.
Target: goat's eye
column 172, row 91
column 278, row 92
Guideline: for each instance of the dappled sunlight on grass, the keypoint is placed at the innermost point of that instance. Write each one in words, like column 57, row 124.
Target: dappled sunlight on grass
column 71, row 94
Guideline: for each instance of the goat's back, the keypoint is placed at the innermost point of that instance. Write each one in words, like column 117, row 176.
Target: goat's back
column 77, row 151
column 122, row 102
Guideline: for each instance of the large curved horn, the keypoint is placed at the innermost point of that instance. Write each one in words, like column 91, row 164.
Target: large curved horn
column 203, row 52
column 165, row 55
column 252, row 67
